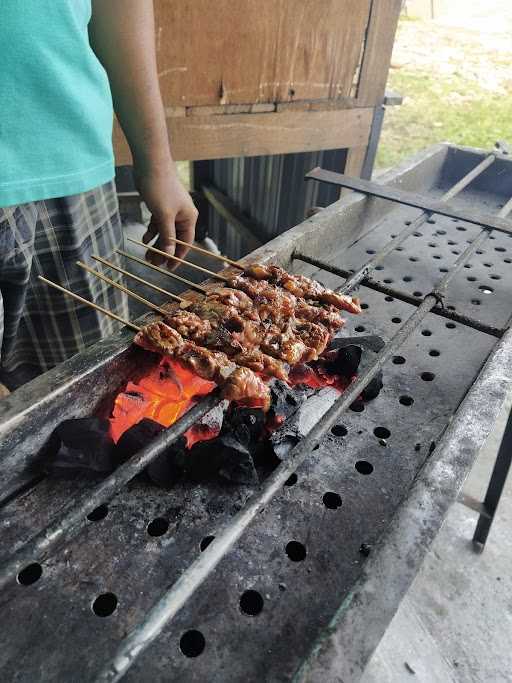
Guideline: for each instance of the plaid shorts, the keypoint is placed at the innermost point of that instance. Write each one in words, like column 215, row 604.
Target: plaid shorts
column 39, row 326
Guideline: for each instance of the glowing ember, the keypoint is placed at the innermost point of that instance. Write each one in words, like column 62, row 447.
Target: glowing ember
column 163, row 395
column 318, row 377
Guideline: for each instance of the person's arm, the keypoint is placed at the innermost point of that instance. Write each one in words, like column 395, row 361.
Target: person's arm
column 122, row 34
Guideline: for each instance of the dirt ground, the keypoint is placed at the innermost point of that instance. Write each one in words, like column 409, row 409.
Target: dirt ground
column 455, row 75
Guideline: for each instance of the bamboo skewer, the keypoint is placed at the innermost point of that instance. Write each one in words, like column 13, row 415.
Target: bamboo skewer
column 105, row 311
column 124, row 289
column 200, row 250
column 211, row 273
column 163, row 271
column 127, row 273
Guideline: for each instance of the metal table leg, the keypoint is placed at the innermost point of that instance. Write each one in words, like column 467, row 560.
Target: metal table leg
column 495, row 488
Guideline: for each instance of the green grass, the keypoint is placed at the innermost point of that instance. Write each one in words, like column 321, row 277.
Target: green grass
column 438, row 109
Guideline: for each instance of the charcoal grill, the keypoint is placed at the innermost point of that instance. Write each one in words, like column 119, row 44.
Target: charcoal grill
column 300, row 577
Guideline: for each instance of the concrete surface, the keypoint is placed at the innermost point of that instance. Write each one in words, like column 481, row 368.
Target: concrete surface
column 455, row 623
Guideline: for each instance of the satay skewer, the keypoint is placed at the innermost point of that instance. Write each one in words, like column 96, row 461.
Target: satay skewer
column 105, row 311
column 200, row 250
column 124, row 289
column 163, row 271
column 153, row 250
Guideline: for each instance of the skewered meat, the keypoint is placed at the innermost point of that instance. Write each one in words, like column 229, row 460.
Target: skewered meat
column 302, row 286
column 236, row 383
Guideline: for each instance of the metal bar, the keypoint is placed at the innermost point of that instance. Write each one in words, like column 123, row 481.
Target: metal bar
column 495, row 488
column 173, row 599
column 417, row 200
column 402, row 296
column 357, row 277
column 73, row 516
column 373, row 142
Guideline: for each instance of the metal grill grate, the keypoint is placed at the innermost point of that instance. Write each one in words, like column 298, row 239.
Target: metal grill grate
column 269, row 598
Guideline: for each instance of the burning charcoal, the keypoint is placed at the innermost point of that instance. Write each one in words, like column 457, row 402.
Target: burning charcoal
column 344, row 361
column 82, row 444
column 164, row 470
column 246, row 425
column 286, row 399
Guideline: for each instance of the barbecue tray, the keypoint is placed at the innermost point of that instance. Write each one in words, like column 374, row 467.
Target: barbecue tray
column 270, row 611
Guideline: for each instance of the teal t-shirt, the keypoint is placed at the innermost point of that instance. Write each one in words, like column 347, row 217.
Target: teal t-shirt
column 55, row 103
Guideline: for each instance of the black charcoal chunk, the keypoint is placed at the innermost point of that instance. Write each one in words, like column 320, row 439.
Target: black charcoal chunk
column 80, row 445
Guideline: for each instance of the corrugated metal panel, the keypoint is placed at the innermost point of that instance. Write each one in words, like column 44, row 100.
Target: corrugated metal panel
column 272, row 192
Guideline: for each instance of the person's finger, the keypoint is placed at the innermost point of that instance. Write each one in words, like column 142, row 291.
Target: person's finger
column 164, row 229
column 185, row 230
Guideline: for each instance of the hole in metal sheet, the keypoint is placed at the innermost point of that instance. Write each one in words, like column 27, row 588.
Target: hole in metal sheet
column 192, row 643
column 451, row 326
column 427, row 376
column 292, row 480
column 396, row 320
column 452, row 243
column 359, row 328
column 491, row 237
column 382, row 433
column 479, row 252
column 379, row 267
column 364, row 467
column 370, row 251
column 364, row 306
column 388, row 298
column 476, row 302
column 251, row 603
column 406, row 400
column 398, row 360
column 339, row 430
column 158, row 527
column 205, row 542
column 431, row 221
column 98, row 513
column 456, row 252
column 495, row 277
column 357, row 406
column 407, row 278
column 486, row 289
column 440, row 232
column 296, row 551
column 388, row 280
column 507, row 260
column 418, row 294
column 488, row 265
column 471, row 278
column 468, row 265
column 432, row 244
column 392, row 237
column 443, row 270
column 499, row 249
column 426, row 333
column 417, row 234
column 434, row 353
column 104, row 605
column 461, row 228
column 407, row 222
column 30, row 574
column 413, row 258
column 399, row 249
column 332, row 500
column 437, row 256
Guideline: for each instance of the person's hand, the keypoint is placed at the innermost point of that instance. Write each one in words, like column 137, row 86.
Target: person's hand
column 173, row 214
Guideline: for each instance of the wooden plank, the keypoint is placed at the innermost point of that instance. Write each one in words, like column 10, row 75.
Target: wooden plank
column 242, row 51
column 377, row 51
column 196, row 137
column 415, row 199
column 228, row 109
